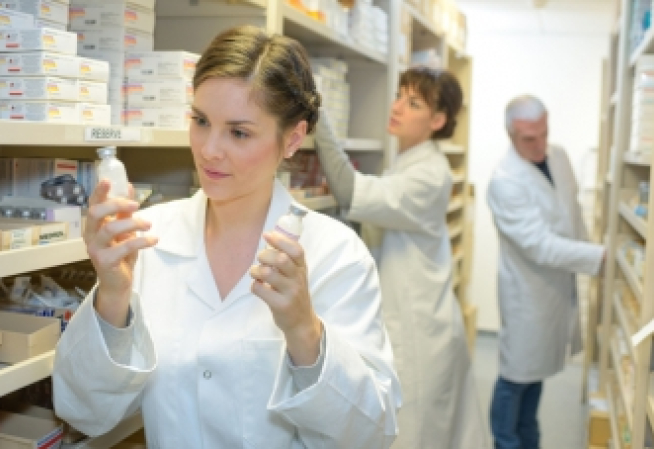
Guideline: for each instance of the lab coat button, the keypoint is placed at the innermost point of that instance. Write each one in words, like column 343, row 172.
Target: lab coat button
column 207, row 374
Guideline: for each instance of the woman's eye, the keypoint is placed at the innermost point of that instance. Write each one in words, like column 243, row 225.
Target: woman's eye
column 415, row 105
column 200, row 121
column 240, row 134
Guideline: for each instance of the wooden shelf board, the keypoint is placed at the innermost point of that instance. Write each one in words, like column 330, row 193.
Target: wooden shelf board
column 613, row 419
column 124, row 429
column 633, row 158
column 422, row 20
column 634, row 220
column 644, row 48
column 312, row 32
column 40, row 257
column 623, row 321
column 458, row 178
column 632, row 279
column 22, row 374
column 455, row 205
column 455, row 231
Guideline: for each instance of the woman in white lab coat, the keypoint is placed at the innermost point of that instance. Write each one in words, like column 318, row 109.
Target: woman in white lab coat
column 223, row 338
column 440, row 408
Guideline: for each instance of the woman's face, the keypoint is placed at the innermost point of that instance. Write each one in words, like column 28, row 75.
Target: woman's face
column 412, row 119
column 235, row 143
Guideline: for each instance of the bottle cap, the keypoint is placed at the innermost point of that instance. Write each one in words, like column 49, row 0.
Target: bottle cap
column 106, row 152
column 295, row 210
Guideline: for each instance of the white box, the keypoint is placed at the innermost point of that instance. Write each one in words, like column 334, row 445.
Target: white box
column 10, row 19
column 161, row 64
column 162, row 92
column 40, row 9
column 92, row 92
column 45, row 39
column 25, row 336
column 39, row 64
column 96, row 42
column 94, row 114
column 146, row 4
column 54, row 212
column 176, row 117
column 40, row 88
column 98, row 16
column 39, row 111
column 93, row 69
column 40, row 23
column 23, row 432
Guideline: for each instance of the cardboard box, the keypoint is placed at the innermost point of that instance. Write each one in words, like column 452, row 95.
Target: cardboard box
column 599, row 428
column 94, row 114
column 161, row 64
column 38, row 111
column 29, row 432
column 10, row 19
column 177, row 117
column 93, row 69
column 56, row 213
column 39, row 63
column 92, row 92
column 17, row 234
column 160, row 92
column 97, row 42
column 40, row 23
column 39, row 9
column 90, row 17
column 35, row 39
column 39, row 88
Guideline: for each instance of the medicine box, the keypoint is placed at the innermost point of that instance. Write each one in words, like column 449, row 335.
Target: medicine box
column 99, row 16
column 39, row 63
column 94, row 114
column 39, row 111
column 97, row 42
column 177, row 117
column 54, row 212
column 40, row 23
column 41, row 88
column 161, row 64
column 18, row 234
column 10, row 19
column 93, row 69
column 92, row 92
column 35, row 39
column 19, row 431
column 40, row 9
column 160, row 92
column 24, row 336
column 27, row 174
column 146, row 4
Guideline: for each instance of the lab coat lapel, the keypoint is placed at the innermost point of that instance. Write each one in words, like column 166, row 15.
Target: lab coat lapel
column 531, row 172
column 414, row 155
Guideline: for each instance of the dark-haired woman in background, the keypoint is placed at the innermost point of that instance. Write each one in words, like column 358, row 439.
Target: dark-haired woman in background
column 440, row 408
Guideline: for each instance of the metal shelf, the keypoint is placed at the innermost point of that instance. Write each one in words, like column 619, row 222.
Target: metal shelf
column 27, row 372
column 632, row 279
column 126, row 428
column 634, row 220
column 645, row 47
column 633, row 158
column 40, row 257
column 622, row 388
column 455, row 205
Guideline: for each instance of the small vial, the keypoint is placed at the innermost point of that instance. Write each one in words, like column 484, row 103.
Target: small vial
column 38, row 214
column 291, row 224
column 113, row 170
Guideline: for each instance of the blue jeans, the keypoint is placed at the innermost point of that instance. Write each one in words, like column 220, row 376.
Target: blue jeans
column 513, row 415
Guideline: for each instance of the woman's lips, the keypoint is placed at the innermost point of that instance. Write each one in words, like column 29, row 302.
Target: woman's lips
column 215, row 174
column 394, row 122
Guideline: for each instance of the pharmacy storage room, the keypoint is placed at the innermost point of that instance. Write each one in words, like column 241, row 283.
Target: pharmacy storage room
column 326, row 224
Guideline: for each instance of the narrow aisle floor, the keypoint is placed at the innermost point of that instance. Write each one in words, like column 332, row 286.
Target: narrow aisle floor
column 562, row 416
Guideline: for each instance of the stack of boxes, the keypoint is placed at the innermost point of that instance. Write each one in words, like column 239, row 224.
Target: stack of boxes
column 159, row 88
column 362, row 29
column 406, row 30
column 107, row 30
column 329, row 75
column 41, row 79
column 642, row 135
column 380, row 23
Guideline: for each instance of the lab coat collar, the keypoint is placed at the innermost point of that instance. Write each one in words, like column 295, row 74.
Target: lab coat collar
column 415, row 154
column 183, row 235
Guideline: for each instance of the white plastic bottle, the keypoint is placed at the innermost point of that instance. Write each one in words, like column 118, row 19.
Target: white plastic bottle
column 113, row 170
column 291, row 224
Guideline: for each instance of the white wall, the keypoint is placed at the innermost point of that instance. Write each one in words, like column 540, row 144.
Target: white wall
column 565, row 72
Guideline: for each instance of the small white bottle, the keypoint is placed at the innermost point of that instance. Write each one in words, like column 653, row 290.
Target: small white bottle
column 113, row 170
column 291, row 224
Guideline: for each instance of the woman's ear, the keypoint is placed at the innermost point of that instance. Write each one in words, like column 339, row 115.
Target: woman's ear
column 438, row 121
column 294, row 139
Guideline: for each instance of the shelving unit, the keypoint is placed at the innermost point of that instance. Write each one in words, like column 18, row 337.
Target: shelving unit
column 619, row 172
column 373, row 78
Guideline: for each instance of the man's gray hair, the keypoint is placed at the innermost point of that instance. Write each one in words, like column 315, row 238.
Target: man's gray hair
column 524, row 107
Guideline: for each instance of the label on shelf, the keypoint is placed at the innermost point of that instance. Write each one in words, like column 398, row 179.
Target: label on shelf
column 105, row 134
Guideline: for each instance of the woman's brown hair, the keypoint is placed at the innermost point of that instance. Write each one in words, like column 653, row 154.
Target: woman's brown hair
column 277, row 67
column 440, row 90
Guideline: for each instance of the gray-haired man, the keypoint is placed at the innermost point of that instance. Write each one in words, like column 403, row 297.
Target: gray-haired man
column 543, row 244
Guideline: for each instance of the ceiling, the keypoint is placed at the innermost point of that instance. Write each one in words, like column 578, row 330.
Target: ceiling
column 560, row 17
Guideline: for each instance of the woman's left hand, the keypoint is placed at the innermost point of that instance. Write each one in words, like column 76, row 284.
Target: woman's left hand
column 282, row 282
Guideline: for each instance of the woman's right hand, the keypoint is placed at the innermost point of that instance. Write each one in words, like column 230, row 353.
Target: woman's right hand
column 113, row 244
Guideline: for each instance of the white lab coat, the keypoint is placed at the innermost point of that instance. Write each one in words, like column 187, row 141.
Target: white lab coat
column 543, row 243
column 213, row 373
column 440, row 408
